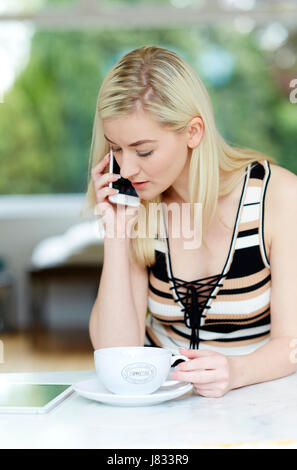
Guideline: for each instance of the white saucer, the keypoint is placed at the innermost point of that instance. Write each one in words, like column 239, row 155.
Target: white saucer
column 95, row 390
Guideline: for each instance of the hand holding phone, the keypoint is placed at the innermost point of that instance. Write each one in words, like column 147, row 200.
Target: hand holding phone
column 114, row 216
column 127, row 194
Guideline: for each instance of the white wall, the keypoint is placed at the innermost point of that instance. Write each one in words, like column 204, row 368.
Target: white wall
column 24, row 222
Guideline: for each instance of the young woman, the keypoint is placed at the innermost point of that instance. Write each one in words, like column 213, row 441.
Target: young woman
column 230, row 304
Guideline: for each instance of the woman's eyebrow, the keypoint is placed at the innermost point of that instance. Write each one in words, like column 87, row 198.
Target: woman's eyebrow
column 134, row 143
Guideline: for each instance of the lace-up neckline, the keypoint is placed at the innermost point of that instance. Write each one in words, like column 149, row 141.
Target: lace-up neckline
column 198, row 292
column 193, row 306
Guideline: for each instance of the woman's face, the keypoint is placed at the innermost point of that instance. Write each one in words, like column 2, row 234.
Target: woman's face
column 161, row 162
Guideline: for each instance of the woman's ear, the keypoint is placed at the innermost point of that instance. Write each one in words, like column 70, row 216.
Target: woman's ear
column 195, row 132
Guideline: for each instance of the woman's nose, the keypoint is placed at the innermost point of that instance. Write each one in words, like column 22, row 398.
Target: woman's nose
column 128, row 168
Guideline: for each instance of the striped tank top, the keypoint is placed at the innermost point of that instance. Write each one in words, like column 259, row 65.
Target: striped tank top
column 228, row 312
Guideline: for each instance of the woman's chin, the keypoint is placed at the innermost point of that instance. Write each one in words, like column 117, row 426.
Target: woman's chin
column 146, row 195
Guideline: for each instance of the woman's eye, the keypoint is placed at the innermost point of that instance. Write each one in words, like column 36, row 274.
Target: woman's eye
column 139, row 154
column 145, row 154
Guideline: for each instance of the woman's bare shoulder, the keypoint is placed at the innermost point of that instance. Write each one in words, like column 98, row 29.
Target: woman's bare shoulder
column 281, row 194
column 283, row 183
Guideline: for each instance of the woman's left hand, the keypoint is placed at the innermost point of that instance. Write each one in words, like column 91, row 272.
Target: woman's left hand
column 209, row 372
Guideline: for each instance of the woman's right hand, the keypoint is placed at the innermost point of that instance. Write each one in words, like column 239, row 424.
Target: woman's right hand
column 117, row 219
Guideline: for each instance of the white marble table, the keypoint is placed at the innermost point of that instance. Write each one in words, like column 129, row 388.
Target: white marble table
column 261, row 415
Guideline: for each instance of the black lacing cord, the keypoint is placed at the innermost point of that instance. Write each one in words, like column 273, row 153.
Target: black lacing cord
column 193, row 308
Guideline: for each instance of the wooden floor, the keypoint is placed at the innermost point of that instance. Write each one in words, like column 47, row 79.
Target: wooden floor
column 28, row 352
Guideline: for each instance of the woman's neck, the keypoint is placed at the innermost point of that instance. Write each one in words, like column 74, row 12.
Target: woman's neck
column 178, row 192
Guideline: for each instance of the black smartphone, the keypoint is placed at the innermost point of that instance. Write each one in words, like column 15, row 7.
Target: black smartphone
column 127, row 194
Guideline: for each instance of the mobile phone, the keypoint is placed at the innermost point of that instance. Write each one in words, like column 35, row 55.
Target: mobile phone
column 127, row 194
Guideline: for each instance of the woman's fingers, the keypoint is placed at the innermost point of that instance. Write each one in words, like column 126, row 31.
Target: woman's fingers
column 206, row 391
column 105, row 179
column 206, row 386
column 192, row 353
column 101, row 180
column 104, row 192
column 209, row 390
column 198, row 363
column 98, row 169
column 118, row 218
column 197, row 376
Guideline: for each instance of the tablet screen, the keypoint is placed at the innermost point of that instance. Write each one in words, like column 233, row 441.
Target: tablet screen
column 29, row 395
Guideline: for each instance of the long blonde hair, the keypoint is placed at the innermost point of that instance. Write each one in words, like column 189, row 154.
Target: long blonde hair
column 170, row 90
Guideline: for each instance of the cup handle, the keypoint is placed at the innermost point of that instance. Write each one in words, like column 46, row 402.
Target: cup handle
column 178, row 357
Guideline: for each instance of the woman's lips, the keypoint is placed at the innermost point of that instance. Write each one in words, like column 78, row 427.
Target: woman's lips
column 140, row 185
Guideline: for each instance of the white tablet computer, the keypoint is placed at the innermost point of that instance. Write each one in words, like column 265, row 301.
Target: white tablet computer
column 31, row 398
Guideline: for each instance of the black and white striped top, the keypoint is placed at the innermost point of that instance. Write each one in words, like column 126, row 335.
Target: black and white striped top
column 229, row 312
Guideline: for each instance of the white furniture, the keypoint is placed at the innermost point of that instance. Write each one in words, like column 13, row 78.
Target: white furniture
column 265, row 413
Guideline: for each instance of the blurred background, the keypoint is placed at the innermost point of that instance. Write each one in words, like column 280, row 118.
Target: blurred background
column 53, row 58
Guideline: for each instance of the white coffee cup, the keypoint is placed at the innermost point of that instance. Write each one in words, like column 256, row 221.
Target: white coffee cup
column 134, row 370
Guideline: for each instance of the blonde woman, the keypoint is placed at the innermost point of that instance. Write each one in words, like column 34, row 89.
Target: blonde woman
column 229, row 303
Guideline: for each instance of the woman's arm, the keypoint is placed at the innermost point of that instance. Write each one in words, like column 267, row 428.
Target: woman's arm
column 214, row 374
column 118, row 315
column 278, row 357
column 275, row 359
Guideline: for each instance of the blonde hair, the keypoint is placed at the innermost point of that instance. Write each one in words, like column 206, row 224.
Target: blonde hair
column 170, row 90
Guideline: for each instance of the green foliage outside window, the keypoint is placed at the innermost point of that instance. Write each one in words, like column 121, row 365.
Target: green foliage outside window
column 46, row 118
